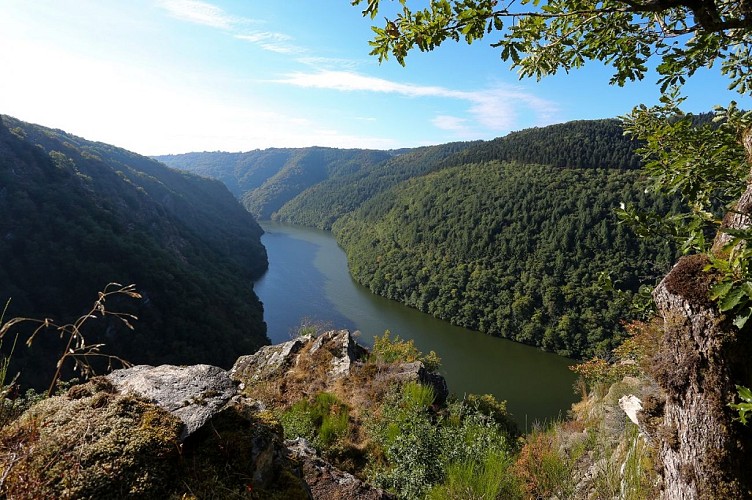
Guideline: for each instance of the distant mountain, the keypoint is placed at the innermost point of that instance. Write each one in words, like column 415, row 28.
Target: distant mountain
column 78, row 214
column 264, row 180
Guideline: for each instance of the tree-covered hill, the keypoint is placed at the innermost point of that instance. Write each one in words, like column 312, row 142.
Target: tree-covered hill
column 509, row 249
column 577, row 144
column 78, row 215
column 580, row 144
column 322, row 204
column 264, row 180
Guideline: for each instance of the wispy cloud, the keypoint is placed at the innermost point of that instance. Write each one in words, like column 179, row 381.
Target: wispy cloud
column 274, row 42
column 207, row 14
column 348, row 81
column 198, row 12
column 496, row 108
column 451, row 123
column 329, row 62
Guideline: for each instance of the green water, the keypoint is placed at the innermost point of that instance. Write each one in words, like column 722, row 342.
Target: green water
column 308, row 278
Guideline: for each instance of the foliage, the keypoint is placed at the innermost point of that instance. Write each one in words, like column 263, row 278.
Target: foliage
column 581, row 144
column 746, row 404
column 77, row 214
column 322, row 421
column 486, row 477
column 630, row 358
column 510, row 250
column 541, row 38
column 323, row 204
column 460, row 450
column 544, row 470
column 264, row 180
column 77, row 349
column 388, row 349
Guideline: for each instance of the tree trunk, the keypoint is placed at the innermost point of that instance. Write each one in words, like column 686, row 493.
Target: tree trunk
column 704, row 453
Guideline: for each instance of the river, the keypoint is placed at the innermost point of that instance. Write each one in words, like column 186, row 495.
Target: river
column 308, row 279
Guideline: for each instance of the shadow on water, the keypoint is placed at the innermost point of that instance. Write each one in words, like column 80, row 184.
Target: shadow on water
column 308, row 278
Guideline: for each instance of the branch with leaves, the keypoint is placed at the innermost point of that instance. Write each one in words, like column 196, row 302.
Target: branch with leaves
column 542, row 37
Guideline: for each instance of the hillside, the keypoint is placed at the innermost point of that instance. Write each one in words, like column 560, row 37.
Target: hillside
column 264, row 180
column 78, row 215
column 508, row 249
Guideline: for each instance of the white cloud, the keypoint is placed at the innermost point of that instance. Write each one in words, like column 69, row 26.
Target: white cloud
column 198, row 12
column 349, row 81
column 273, row 42
column 496, row 108
column 328, row 62
column 264, row 37
column 452, row 123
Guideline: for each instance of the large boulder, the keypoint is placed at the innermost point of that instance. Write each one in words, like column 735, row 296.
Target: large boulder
column 194, row 394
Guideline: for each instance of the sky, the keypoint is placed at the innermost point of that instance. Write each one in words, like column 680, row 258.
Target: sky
column 174, row 76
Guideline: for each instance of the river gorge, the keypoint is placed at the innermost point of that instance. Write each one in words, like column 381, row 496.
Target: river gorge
column 308, row 281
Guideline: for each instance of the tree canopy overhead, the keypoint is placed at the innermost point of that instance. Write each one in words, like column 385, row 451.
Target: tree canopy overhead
column 543, row 37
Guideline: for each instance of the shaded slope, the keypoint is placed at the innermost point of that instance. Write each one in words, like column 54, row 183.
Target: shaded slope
column 78, row 214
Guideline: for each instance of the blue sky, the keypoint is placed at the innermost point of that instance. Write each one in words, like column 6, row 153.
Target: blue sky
column 172, row 76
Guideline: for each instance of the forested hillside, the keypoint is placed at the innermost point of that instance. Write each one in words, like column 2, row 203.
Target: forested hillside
column 321, row 205
column 264, row 180
column 509, row 249
column 78, row 214
column 576, row 144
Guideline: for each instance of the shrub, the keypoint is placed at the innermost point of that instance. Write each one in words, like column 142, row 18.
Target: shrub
column 395, row 350
column 544, row 471
column 442, row 452
column 322, row 421
column 478, row 479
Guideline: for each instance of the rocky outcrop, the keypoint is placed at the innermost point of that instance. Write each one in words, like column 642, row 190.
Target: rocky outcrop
column 170, row 431
column 328, row 482
column 194, row 394
column 268, row 362
column 282, row 373
column 99, row 442
column 276, row 360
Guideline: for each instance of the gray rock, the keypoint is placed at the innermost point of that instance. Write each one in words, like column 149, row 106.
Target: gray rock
column 268, row 362
column 416, row 372
column 344, row 349
column 272, row 362
column 325, row 481
column 192, row 393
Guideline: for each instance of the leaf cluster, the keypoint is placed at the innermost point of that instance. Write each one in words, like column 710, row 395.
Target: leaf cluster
column 541, row 37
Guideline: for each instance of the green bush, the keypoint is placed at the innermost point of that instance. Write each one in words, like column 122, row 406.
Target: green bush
column 395, row 350
column 322, row 421
column 486, row 478
column 445, row 452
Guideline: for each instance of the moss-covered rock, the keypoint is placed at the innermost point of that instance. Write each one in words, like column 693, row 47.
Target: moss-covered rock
column 91, row 443
column 96, row 443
